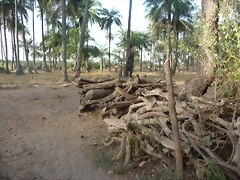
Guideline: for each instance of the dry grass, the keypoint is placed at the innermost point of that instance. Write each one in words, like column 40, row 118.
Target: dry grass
column 53, row 78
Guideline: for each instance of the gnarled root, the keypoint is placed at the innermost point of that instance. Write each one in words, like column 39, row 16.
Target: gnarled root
column 122, row 148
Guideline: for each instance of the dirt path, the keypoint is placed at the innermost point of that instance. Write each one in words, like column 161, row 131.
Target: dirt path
column 42, row 136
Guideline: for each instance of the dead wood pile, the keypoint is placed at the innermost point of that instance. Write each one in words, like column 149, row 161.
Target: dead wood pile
column 136, row 113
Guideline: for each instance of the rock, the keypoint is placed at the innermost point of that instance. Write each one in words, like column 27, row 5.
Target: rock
column 110, row 172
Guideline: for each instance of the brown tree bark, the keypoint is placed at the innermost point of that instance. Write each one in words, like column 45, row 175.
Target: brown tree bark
column 19, row 70
column 109, row 48
column 5, row 39
column 33, row 34
column 24, row 40
column 82, row 38
column 206, row 69
column 171, row 102
column 64, row 42
column 130, row 57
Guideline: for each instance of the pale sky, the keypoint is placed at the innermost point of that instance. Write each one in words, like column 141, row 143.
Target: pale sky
column 138, row 22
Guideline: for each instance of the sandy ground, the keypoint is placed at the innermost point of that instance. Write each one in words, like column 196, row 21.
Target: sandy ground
column 42, row 136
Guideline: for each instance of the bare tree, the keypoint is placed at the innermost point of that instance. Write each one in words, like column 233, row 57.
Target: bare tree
column 171, row 101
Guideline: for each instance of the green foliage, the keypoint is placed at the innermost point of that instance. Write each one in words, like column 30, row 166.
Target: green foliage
column 214, row 172
column 228, row 64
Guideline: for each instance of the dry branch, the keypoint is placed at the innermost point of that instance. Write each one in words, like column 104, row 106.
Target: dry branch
column 137, row 110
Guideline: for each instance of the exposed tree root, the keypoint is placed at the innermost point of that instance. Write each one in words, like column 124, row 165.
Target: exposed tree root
column 139, row 118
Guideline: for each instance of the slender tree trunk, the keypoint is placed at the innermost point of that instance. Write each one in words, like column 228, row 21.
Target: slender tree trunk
column 206, row 69
column 44, row 63
column 86, row 60
column 13, row 47
column 19, row 70
column 141, row 59
column 59, row 62
column 54, row 61
column 2, row 48
column 24, row 41
column 101, row 64
column 14, row 39
column 5, row 38
column 82, row 38
column 176, row 54
column 171, row 103
column 109, row 49
column 130, row 58
column 33, row 36
column 49, row 58
column 64, row 41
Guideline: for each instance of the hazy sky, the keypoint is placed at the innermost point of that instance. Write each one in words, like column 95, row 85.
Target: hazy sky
column 138, row 22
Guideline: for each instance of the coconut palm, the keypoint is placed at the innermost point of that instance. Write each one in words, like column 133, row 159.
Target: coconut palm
column 33, row 34
column 19, row 69
column 169, row 15
column 160, row 10
column 181, row 21
column 107, row 18
column 42, row 5
column 82, row 38
column 141, row 40
column 130, row 57
column 23, row 34
column 64, row 41
column 5, row 35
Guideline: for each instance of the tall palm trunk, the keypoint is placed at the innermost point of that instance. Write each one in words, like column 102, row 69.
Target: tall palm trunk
column 175, row 64
column 44, row 63
column 13, row 49
column 14, row 39
column 19, row 70
column 82, row 38
column 64, row 41
column 2, row 48
column 141, row 50
column 33, row 36
column 206, row 69
column 109, row 48
column 24, row 40
column 5, row 38
column 171, row 102
column 86, row 60
column 130, row 59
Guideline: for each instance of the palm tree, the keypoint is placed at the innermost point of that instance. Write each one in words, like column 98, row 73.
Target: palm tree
column 182, row 10
column 82, row 39
column 64, row 41
column 140, row 40
column 122, row 36
column 178, row 10
column 23, row 35
column 33, row 34
column 42, row 4
column 157, row 10
column 5, row 36
column 19, row 66
column 1, row 39
column 130, row 57
column 160, row 15
column 107, row 18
